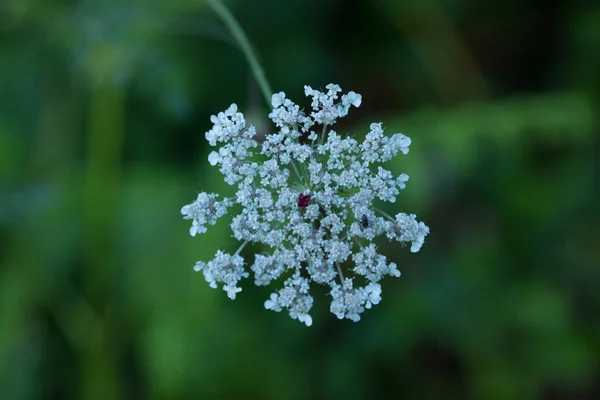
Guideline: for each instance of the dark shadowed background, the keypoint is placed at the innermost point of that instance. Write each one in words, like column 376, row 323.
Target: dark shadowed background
column 103, row 109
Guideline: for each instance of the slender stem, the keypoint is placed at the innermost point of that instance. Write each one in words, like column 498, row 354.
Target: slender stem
column 242, row 40
column 102, row 193
column 339, row 270
column 357, row 242
column 241, row 248
column 296, row 171
column 322, row 138
column 384, row 213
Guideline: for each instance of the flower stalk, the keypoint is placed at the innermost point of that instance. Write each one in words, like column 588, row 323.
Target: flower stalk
column 242, row 40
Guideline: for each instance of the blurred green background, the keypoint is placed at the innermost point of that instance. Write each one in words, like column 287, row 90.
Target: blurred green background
column 103, row 109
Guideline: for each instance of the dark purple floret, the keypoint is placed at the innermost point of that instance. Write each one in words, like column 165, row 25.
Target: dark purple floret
column 303, row 200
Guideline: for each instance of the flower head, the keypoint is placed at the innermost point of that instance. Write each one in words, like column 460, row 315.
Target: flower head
column 303, row 200
column 306, row 197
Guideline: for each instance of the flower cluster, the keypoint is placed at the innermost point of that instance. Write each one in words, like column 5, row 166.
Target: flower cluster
column 305, row 194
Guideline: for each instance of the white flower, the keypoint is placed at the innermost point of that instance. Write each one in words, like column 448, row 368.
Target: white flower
column 373, row 291
column 307, row 319
column 348, row 302
column 372, row 265
column 214, row 158
column 225, row 269
column 305, row 195
column 352, row 98
column 271, row 304
column 407, row 229
column 277, row 99
column 205, row 210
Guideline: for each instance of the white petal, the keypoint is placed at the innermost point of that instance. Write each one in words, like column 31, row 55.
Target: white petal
column 307, row 319
column 231, row 110
column 211, row 137
column 214, row 158
column 354, row 98
column 277, row 99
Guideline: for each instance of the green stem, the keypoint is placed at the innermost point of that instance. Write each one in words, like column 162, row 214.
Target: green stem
column 322, row 138
column 358, row 242
column 242, row 40
column 339, row 270
column 297, row 172
column 384, row 214
column 241, row 248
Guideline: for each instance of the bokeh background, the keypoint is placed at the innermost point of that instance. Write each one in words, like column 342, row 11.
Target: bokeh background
column 103, row 109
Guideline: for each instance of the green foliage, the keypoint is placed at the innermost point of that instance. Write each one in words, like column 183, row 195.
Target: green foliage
column 102, row 115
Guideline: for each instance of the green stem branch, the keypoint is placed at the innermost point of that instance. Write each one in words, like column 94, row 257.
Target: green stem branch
column 384, row 214
column 239, row 250
column 339, row 270
column 240, row 36
column 296, row 171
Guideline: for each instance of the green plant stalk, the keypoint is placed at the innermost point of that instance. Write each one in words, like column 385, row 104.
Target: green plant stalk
column 340, row 273
column 242, row 40
column 388, row 216
column 239, row 250
column 102, row 187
